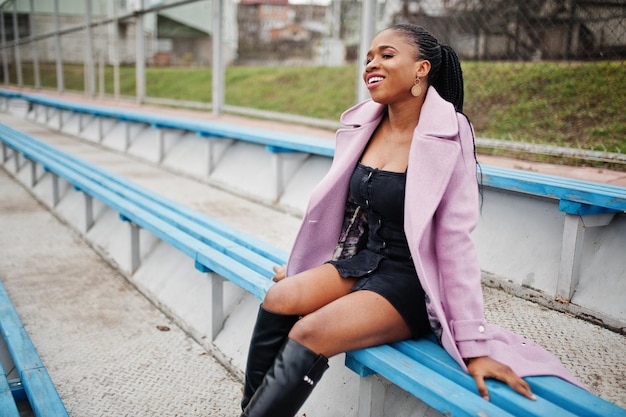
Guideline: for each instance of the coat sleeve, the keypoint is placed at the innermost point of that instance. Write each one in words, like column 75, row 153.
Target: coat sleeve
column 455, row 219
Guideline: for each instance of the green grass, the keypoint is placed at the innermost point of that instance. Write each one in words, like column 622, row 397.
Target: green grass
column 561, row 104
column 576, row 104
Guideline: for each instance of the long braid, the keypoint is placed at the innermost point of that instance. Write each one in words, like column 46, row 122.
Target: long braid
column 445, row 73
column 449, row 82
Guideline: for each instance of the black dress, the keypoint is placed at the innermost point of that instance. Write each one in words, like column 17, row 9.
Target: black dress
column 385, row 265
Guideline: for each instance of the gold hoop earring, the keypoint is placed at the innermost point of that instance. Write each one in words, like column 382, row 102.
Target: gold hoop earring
column 416, row 90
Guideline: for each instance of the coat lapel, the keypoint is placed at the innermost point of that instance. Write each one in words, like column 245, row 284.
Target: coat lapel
column 321, row 225
column 432, row 159
column 362, row 120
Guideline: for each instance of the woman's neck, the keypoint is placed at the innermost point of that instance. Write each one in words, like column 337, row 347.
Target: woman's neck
column 404, row 116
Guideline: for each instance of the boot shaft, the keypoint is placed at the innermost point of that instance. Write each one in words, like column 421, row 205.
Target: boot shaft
column 288, row 383
column 268, row 337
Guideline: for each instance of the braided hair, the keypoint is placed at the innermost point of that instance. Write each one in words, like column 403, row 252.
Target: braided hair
column 445, row 74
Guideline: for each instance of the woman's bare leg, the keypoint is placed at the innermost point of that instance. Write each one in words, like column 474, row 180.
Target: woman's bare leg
column 307, row 291
column 357, row 320
column 335, row 318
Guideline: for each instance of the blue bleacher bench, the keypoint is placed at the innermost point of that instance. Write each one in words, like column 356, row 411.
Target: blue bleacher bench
column 422, row 367
column 585, row 204
column 274, row 141
column 34, row 384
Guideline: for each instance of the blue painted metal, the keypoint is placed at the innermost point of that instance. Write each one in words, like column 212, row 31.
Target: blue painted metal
column 604, row 196
column 194, row 221
column 214, row 251
column 585, row 192
column 582, row 209
column 425, row 383
column 40, row 391
column 291, row 142
column 8, row 407
column 551, row 391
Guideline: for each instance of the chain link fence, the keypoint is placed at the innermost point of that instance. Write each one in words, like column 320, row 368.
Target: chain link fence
column 538, row 72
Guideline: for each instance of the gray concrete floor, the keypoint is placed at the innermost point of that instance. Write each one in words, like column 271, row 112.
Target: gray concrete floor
column 110, row 352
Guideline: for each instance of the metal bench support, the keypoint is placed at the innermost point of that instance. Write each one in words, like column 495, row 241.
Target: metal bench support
column 60, row 127
column 371, row 396
column 211, row 159
column 88, row 212
column 216, row 297
column 161, row 151
column 55, row 190
column 135, row 258
column 16, row 160
column 572, row 250
column 217, row 304
column 126, row 136
column 100, row 132
column 33, row 173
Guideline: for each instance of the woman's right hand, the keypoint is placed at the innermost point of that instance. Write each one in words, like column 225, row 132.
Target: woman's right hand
column 486, row 367
column 279, row 272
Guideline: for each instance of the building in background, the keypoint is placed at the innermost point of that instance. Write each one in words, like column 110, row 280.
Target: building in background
column 522, row 30
column 267, row 32
column 179, row 35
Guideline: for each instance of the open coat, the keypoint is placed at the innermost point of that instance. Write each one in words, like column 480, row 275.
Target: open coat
column 441, row 210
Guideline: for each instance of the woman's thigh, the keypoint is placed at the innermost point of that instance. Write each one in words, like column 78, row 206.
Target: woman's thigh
column 308, row 291
column 357, row 320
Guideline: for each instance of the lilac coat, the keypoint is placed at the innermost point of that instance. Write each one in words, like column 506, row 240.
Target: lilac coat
column 441, row 210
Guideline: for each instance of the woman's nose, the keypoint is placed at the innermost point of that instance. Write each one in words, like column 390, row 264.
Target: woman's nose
column 371, row 65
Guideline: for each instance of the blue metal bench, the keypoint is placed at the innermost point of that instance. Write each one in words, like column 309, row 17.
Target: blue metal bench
column 34, row 383
column 584, row 204
column 422, row 368
column 274, row 141
column 575, row 196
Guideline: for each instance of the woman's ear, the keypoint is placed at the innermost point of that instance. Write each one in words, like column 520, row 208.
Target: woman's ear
column 422, row 68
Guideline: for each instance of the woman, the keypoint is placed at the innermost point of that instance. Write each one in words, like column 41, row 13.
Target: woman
column 408, row 163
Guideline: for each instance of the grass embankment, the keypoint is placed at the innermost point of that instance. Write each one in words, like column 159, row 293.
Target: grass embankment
column 579, row 104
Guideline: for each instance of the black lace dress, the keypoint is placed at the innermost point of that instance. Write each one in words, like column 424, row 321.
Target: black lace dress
column 384, row 265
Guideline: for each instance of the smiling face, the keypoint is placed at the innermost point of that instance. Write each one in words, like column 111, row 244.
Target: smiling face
column 391, row 67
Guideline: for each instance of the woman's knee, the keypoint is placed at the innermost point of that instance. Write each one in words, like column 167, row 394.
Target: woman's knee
column 280, row 299
column 308, row 332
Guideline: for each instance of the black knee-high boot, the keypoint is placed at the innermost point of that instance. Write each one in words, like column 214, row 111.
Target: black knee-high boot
column 269, row 335
column 288, row 383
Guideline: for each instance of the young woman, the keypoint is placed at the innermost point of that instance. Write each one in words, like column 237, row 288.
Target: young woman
column 404, row 176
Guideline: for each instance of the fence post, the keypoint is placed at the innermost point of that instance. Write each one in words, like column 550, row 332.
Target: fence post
column 218, row 58
column 16, row 47
column 140, row 53
column 5, row 57
column 90, row 87
column 33, row 46
column 57, row 48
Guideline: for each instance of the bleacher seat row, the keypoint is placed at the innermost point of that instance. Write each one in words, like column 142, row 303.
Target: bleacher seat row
column 33, row 384
column 582, row 204
column 421, row 368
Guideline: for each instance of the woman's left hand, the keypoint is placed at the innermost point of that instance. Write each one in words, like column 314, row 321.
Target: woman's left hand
column 279, row 272
column 486, row 367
